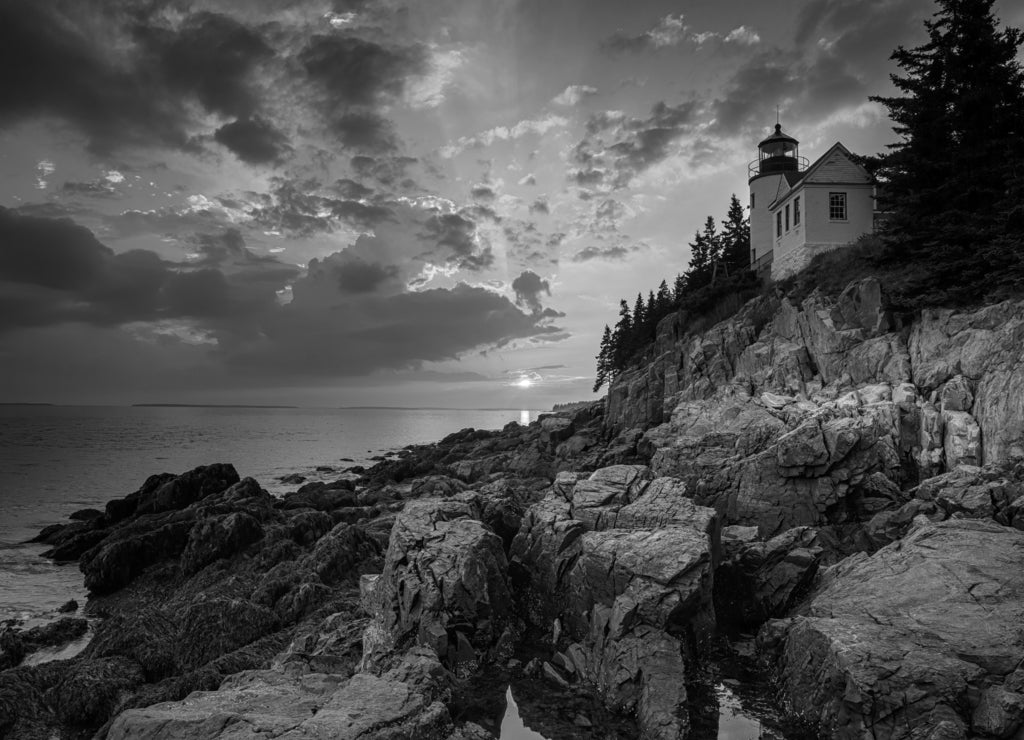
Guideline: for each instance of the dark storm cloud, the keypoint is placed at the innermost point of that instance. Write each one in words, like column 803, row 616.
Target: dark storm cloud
column 326, row 334
column 615, row 149
column 299, row 208
column 387, row 170
column 363, row 277
column 453, row 232
column 53, row 63
column 351, row 190
column 355, row 71
column 253, row 140
column 364, row 130
column 355, row 76
column 211, row 57
column 53, row 271
column 841, row 56
column 603, row 253
column 540, row 205
column 528, row 288
column 482, row 193
column 226, row 251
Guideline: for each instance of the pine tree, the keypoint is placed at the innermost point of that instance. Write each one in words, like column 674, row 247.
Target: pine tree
column 948, row 183
column 735, row 238
column 605, row 371
column 706, row 252
column 678, row 290
column 639, row 318
column 622, row 338
column 663, row 301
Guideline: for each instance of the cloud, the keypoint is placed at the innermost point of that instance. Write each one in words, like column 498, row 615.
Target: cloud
column 574, row 94
column 482, row 193
column 528, row 288
column 253, row 140
column 526, row 127
column 743, row 36
column 211, row 57
column 616, row 148
column 833, row 67
column 350, row 314
column 669, row 31
column 54, row 62
column 54, row 272
column 325, row 333
column 355, row 78
column 601, row 253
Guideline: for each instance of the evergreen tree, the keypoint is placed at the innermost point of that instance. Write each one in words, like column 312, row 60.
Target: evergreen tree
column 639, row 319
column 622, row 337
column 735, row 238
column 663, row 301
column 706, row 252
column 605, row 371
column 949, row 181
column 678, row 289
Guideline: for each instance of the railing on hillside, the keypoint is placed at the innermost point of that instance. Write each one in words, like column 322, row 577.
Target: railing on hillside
column 762, row 266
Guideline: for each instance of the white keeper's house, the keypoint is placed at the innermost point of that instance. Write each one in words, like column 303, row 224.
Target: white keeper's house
column 799, row 210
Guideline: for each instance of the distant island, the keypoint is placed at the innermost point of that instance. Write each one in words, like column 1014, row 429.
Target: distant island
column 210, row 406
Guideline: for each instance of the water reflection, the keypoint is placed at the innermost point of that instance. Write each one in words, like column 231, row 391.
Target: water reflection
column 512, row 726
column 733, row 722
column 524, row 417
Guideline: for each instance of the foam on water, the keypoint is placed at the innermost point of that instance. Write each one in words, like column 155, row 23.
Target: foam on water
column 32, row 588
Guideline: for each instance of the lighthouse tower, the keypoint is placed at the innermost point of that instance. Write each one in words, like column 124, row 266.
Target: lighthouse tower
column 777, row 167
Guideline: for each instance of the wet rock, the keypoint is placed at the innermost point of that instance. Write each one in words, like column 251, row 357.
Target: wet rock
column 92, row 690
column 320, row 496
column 68, row 607
column 122, row 556
column 761, row 579
column 444, row 585
column 292, row 478
column 219, row 537
column 214, row 627
column 931, row 618
column 85, row 515
column 405, row 702
column 187, row 488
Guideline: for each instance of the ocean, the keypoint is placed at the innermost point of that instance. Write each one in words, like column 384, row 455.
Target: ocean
column 57, row 459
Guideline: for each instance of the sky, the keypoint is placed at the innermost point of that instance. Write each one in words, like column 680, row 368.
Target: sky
column 435, row 203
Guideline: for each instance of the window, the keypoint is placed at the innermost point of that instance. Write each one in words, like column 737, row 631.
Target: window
column 837, row 206
column 751, row 201
column 787, row 217
column 778, row 224
column 796, row 211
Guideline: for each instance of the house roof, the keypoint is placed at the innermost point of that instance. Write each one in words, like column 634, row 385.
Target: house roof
column 837, row 159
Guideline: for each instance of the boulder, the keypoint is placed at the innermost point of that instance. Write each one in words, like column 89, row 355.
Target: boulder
column 444, row 585
column 758, row 579
column 219, row 537
column 921, row 639
column 405, row 702
column 122, row 556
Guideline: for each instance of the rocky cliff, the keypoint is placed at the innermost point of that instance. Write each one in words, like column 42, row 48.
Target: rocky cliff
column 845, row 483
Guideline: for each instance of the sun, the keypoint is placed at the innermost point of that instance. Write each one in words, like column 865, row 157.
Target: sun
column 524, row 383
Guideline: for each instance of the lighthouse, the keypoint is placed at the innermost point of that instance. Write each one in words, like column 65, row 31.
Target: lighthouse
column 777, row 167
column 798, row 211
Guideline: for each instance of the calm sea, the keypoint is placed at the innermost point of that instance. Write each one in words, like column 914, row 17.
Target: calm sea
column 57, row 459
